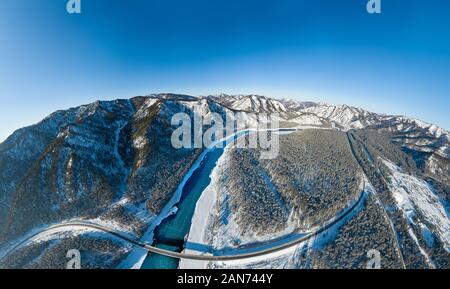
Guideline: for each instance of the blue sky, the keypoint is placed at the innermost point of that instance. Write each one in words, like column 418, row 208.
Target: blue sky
column 321, row 50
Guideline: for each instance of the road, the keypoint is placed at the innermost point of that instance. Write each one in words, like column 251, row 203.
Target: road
column 177, row 255
column 380, row 203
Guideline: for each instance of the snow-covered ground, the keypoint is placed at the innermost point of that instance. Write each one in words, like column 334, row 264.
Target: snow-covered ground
column 413, row 196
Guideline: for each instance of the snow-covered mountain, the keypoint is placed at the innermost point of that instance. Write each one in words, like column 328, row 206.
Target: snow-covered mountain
column 250, row 103
column 428, row 142
column 111, row 162
column 344, row 116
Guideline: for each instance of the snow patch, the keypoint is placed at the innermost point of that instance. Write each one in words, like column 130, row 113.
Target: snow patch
column 415, row 195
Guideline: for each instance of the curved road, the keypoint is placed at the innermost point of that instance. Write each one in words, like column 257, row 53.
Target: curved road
column 193, row 256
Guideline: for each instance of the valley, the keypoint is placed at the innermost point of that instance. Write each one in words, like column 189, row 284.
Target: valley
column 344, row 181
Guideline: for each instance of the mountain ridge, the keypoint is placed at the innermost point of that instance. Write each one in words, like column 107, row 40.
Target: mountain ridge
column 112, row 161
column 284, row 103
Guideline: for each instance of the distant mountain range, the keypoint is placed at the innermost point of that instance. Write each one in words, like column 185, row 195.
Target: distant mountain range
column 429, row 141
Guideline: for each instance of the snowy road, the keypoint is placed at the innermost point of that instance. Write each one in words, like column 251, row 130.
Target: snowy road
column 380, row 203
column 152, row 249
